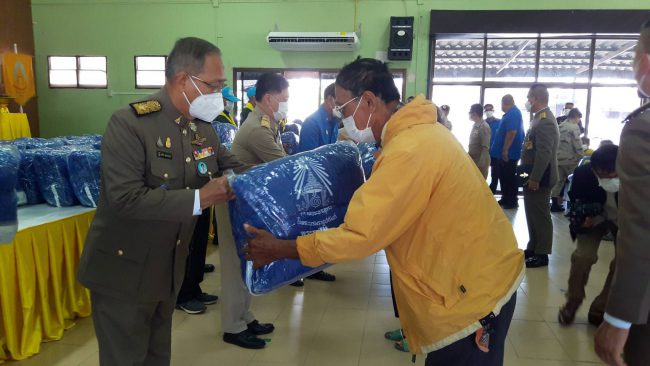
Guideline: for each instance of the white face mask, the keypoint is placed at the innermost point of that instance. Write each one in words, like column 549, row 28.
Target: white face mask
column 230, row 106
column 489, row 114
column 609, row 184
column 359, row 136
column 529, row 107
column 283, row 110
column 205, row 107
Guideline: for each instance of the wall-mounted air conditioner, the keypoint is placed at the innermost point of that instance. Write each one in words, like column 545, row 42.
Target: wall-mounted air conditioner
column 313, row 41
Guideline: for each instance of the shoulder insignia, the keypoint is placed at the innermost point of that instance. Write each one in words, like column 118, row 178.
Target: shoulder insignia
column 639, row 111
column 265, row 122
column 542, row 115
column 146, row 107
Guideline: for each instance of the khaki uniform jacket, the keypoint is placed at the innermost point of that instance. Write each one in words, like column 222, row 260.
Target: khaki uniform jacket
column 540, row 148
column 479, row 146
column 258, row 140
column 570, row 150
column 629, row 296
column 138, row 241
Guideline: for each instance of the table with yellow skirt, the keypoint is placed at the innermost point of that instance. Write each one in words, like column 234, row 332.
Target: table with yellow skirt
column 13, row 125
column 39, row 295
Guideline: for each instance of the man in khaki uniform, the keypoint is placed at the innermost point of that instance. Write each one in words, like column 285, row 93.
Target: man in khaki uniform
column 626, row 329
column 157, row 163
column 479, row 140
column 257, row 141
column 539, row 160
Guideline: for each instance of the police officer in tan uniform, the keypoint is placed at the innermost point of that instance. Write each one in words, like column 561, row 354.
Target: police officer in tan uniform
column 479, row 140
column 160, row 168
column 257, row 141
column 539, row 160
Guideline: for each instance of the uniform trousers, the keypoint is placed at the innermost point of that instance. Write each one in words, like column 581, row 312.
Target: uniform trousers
column 637, row 351
column 508, row 178
column 195, row 268
column 133, row 333
column 494, row 174
column 538, row 218
column 235, row 298
column 563, row 173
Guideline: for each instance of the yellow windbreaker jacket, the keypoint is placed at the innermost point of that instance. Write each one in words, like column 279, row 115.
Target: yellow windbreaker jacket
column 451, row 250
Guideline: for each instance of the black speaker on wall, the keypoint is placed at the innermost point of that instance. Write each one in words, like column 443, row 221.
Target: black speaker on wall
column 401, row 38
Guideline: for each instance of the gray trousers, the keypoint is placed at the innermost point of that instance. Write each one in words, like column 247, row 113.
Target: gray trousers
column 235, row 298
column 133, row 333
column 582, row 259
column 563, row 173
column 538, row 218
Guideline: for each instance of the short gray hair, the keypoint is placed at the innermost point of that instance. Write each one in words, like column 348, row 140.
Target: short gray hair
column 189, row 55
column 540, row 92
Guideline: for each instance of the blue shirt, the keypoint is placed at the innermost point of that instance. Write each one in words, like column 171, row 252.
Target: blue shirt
column 494, row 128
column 511, row 121
column 318, row 130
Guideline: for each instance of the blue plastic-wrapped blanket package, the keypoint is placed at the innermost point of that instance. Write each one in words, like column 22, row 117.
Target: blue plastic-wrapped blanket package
column 53, row 177
column 39, row 143
column 367, row 152
column 290, row 142
column 225, row 131
column 9, row 161
column 28, row 178
column 84, row 168
column 290, row 197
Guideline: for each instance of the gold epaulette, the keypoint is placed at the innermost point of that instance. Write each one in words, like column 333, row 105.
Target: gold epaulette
column 146, row 107
column 265, row 122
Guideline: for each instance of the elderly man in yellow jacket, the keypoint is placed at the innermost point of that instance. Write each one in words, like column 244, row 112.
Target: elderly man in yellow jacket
column 452, row 252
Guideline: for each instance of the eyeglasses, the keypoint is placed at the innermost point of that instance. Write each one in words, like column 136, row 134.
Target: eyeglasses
column 338, row 110
column 214, row 87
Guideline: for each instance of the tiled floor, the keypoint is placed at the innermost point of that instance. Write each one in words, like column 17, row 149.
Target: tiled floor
column 343, row 323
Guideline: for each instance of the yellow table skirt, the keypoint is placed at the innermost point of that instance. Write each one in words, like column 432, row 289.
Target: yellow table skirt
column 13, row 126
column 39, row 294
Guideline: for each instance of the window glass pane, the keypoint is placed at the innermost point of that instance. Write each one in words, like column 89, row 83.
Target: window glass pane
column 92, row 63
column 609, row 107
column 511, row 60
column 564, row 60
column 92, row 78
column 458, row 60
column 155, row 63
column 150, row 78
column 63, row 78
column 303, row 93
column 399, row 83
column 459, row 98
column 326, row 79
column 613, row 61
column 63, row 63
column 558, row 97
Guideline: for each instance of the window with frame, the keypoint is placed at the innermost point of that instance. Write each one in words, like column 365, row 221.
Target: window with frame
column 149, row 71
column 78, row 72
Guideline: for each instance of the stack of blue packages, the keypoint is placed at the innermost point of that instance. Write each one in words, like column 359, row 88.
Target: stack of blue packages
column 225, row 131
column 53, row 178
column 39, row 143
column 367, row 152
column 83, row 167
column 290, row 197
column 290, row 142
column 9, row 161
column 27, row 177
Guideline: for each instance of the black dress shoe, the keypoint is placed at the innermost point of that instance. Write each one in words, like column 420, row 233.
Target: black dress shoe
column 529, row 253
column 322, row 276
column 299, row 283
column 244, row 339
column 536, row 261
column 258, row 328
column 208, row 268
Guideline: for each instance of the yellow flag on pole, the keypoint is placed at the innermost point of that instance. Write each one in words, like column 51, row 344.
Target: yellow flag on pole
column 18, row 76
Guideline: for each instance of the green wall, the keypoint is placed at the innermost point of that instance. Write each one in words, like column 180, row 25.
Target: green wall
column 120, row 29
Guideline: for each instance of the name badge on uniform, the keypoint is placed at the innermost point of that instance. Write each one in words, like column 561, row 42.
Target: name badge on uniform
column 203, row 153
column 528, row 145
column 164, row 155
